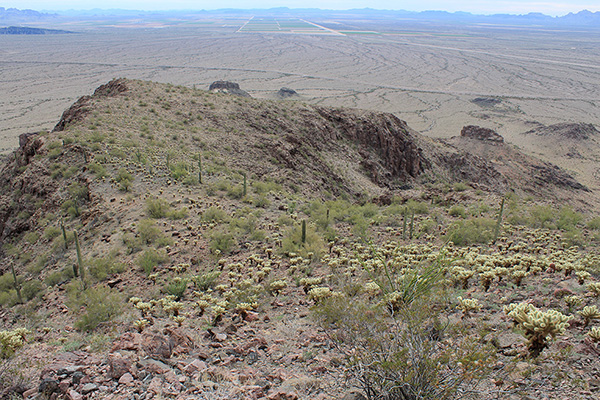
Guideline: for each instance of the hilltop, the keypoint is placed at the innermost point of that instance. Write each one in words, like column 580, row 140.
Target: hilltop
column 171, row 242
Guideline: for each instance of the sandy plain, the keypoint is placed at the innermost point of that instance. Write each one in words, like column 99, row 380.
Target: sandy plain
column 426, row 74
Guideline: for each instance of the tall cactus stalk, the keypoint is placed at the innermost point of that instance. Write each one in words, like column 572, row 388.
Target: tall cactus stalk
column 200, row 169
column 303, row 231
column 17, row 286
column 245, row 186
column 62, row 226
column 499, row 220
column 80, row 260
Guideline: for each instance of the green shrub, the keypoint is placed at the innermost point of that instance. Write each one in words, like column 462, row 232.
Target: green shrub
column 594, row 224
column 470, row 231
column 221, row 242
column 157, row 208
column 176, row 287
column 31, row 237
column 57, row 277
column 51, row 232
column 101, row 268
column 150, row 259
column 179, row 171
column 568, row 219
column 292, row 241
column 32, row 289
column 206, row 281
column 457, row 211
column 400, row 350
column 214, row 214
column 101, row 305
column 98, row 169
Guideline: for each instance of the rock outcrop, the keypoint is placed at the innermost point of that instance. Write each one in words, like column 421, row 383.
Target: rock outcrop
column 574, row 131
column 286, row 93
column 479, row 133
column 228, row 87
column 79, row 110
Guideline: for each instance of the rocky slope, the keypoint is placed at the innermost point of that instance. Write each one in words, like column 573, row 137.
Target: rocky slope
column 184, row 271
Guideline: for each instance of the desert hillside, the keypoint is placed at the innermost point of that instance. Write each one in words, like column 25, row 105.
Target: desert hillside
column 169, row 242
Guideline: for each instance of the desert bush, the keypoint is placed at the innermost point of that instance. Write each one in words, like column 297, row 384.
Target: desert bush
column 221, row 241
column 214, row 214
column 176, row 287
column 457, row 211
column 57, row 277
column 51, row 232
column 206, row 281
column 32, row 289
column 157, row 208
column 313, row 243
column 150, row 259
column 568, row 219
column 473, row 230
column 125, row 179
column 395, row 347
column 101, row 305
column 101, row 268
column 594, row 224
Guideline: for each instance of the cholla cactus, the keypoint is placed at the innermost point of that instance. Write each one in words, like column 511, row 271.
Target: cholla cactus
column 594, row 334
column 594, row 288
column 517, row 276
column 487, row 278
column 277, row 286
column 582, row 276
column 309, row 283
column 539, row 326
column 179, row 319
column 173, row 307
column 202, row 306
column 372, row 289
column 319, row 294
column 461, row 275
column 589, row 313
column 140, row 324
column 143, row 307
column 572, row 301
column 11, row 341
column 468, row 305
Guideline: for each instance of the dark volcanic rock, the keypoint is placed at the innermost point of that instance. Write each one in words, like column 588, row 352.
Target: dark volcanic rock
column 228, row 87
column 81, row 108
column 566, row 130
column 486, row 101
column 479, row 133
column 286, row 93
column 397, row 156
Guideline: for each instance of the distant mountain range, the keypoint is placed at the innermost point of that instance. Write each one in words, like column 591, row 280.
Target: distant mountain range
column 583, row 18
column 21, row 30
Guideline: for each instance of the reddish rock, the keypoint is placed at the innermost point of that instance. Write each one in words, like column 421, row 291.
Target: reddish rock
column 157, row 345
column 74, row 395
column 128, row 341
column 156, row 386
column 118, row 365
column 126, row 379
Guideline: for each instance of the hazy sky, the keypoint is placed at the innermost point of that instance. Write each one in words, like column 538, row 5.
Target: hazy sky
column 551, row 7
